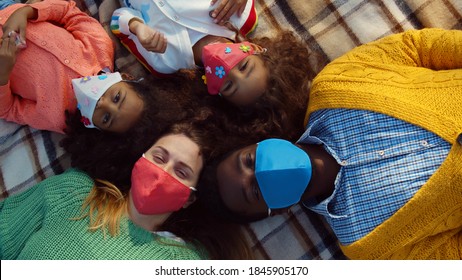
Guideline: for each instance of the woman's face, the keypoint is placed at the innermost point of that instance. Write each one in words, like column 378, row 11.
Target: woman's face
column 179, row 156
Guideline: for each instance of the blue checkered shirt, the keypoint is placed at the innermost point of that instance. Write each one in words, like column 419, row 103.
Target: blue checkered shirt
column 384, row 162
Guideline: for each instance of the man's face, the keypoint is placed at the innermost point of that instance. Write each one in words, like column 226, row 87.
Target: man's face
column 238, row 186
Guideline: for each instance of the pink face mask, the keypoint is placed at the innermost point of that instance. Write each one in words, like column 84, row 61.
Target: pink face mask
column 154, row 191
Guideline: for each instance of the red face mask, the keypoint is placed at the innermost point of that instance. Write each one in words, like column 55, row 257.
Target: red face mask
column 154, row 191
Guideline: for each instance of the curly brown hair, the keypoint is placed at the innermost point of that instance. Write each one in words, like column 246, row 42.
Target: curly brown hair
column 285, row 101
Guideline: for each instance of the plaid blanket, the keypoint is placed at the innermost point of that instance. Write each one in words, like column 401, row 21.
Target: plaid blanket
column 329, row 27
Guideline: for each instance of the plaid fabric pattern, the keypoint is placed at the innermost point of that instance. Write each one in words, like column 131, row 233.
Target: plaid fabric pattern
column 330, row 28
column 371, row 186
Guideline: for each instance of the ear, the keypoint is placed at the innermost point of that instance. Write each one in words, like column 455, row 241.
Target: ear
column 258, row 49
column 127, row 77
column 190, row 200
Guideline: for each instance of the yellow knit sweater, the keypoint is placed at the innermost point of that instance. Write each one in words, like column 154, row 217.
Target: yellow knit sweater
column 415, row 76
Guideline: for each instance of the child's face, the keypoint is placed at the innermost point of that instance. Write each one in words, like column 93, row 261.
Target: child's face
column 246, row 82
column 118, row 109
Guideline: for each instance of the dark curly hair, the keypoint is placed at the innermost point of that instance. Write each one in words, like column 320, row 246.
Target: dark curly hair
column 110, row 156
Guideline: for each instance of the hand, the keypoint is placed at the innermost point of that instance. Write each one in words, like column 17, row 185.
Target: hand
column 7, row 58
column 17, row 22
column 226, row 9
column 152, row 40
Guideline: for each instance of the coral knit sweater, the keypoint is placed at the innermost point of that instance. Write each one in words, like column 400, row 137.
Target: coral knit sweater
column 415, row 76
column 39, row 89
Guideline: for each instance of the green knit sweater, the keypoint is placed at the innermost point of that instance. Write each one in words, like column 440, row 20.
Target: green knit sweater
column 39, row 224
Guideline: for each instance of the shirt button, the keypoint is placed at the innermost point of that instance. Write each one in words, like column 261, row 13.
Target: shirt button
column 43, row 43
column 176, row 17
column 381, row 153
column 343, row 162
column 161, row 3
column 66, row 61
column 424, row 143
column 459, row 139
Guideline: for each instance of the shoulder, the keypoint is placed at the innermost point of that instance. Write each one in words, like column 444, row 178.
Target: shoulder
column 70, row 179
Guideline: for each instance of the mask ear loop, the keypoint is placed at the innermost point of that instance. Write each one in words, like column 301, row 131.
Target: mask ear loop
column 269, row 212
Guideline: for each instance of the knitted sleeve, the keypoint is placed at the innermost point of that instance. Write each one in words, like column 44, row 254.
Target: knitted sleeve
column 431, row 48
column 23, row 215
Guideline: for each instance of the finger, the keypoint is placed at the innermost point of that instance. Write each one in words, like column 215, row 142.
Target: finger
column 164, row 46
column 225, row 13
column 155, row 41
column 221, row 10
column 12, row 48
column 241, row 10
column 22, row 34
column 162, row 43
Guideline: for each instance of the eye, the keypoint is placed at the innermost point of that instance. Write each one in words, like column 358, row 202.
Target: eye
column 106, row 118
column 249, row 161
column 116, row 98
column 243, row 66
column 158, row 158
column 227, row 86
column 181, row 173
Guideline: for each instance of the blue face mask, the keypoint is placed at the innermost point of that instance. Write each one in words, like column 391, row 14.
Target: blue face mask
column 283, row 172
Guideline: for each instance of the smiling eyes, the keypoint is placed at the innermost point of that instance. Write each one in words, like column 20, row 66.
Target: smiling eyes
column 161, row 159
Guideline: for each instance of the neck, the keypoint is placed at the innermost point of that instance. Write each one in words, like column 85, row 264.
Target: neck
column 325, row 170
column 206, row 40
column 147, row 222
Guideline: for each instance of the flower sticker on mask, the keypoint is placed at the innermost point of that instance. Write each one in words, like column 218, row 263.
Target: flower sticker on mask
column 220, row 71
column 245, row 48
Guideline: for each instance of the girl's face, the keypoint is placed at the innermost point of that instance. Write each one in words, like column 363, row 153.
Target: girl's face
column 118, row 109
column 179, row 156
column 246, row 82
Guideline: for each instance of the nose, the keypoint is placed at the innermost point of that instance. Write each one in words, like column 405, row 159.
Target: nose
column 234, row 73
column 248, row 177
column 105, row 103
column 168, row 167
